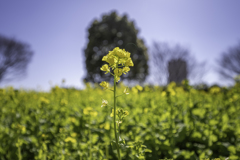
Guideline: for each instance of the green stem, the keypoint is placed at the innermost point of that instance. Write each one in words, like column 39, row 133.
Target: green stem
column 19, row 153
column 114, row 119
column 120, row 95
column 107, row 154
column 90, row 139
column 170, row 125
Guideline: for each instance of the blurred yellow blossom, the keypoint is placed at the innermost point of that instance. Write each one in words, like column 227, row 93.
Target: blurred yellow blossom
column 63, row 102
column 107, row 126
column 215, row 90
column 104, row 84
column 44, row 100
column 89, row 111
column 74, row 134
column 163, row 94
column 140, row 88
column 70, row 139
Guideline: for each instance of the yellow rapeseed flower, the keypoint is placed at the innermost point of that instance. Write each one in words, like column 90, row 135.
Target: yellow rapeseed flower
column 111, row 115
column 118, row 72
column 121, row 53
column 44, row 100
column 87, row 110
column 107, row 126
column 112, row 60
column 104, row 58
column 70, row 139
column 74, row 134
column 126, row 69
column 105, row 68
column 140, row 88
column 104, row 84
column 119, row 61
column 215, row 90
column 129, row 62
column 117, row 111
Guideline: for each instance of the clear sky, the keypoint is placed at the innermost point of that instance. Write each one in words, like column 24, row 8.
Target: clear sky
column 56, row 30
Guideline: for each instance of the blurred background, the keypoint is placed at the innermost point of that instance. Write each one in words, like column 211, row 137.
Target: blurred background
column 48, row 43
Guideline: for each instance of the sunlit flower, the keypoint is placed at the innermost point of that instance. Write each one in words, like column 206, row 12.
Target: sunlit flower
column 119, row 61
column 118, row 72
column 126, row 69
column 104, row 58
column 129, row 62
column 104, row 84
column 70, row 139
column 107, row 126
column 140, row 88
column 105, row 68
column 112, row 60
column 112, row 114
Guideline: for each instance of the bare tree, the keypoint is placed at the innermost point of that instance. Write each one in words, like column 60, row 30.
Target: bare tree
column 229, row 63
column 14, row 58
column 163, row 55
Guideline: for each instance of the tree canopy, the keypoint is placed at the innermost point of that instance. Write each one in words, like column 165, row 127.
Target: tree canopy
column 14, row 58
column 106, row 34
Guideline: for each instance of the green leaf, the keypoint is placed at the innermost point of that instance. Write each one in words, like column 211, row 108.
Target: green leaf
column 148, row 150
column 140, row 157
column 144, row 146
column 130, row 147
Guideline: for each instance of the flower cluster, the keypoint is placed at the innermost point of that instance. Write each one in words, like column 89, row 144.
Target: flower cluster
column 119, row 61
column 121, row 114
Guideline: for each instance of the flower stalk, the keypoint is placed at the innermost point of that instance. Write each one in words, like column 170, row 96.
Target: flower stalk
column 114, row 119
column 119, row 62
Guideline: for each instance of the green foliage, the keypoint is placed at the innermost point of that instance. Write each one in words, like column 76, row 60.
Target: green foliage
column 110, row 32
column 174, row 123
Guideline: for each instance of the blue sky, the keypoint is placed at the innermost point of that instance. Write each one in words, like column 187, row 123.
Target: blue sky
column 57, row 32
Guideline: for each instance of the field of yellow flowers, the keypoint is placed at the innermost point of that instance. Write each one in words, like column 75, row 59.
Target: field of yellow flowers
column 177, row 122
